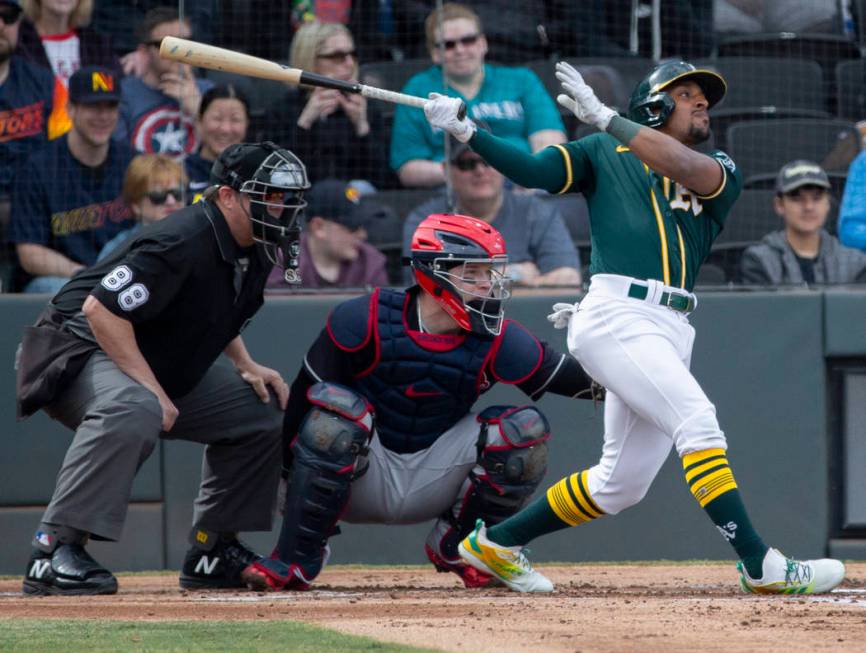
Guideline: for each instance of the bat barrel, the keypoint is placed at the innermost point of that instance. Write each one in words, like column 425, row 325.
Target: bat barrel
column 202, row 55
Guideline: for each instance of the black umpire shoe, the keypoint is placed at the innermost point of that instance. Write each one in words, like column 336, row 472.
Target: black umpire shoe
column 219, row 568
column 69, row 570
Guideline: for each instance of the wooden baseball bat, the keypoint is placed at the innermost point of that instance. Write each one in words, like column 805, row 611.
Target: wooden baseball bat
column 202, row 55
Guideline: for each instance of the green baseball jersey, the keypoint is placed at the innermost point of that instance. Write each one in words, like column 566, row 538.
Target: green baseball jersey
column 642, row 224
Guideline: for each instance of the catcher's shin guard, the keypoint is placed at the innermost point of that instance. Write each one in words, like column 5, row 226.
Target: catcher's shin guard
column 514, row 460
column 333, row 435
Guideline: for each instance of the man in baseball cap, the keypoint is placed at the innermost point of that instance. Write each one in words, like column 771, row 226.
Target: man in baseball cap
column 334, row 251
column 540, row 249
column 803, row 251
column 80, row 172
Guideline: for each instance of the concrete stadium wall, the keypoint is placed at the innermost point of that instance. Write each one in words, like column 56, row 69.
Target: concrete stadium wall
column 762, row 357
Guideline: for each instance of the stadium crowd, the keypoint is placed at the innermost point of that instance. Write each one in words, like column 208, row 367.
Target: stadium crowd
column 94, row 120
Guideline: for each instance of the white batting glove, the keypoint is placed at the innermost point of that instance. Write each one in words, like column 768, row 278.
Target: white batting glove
column 561, row 315
column 441, row 112
column 580, row 98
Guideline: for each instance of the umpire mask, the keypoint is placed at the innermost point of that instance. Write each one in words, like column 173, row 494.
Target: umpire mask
column 274, row 180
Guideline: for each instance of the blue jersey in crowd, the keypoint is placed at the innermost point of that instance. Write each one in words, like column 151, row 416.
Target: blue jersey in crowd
column 153, row 122
column 26, row 103
column 71, row 208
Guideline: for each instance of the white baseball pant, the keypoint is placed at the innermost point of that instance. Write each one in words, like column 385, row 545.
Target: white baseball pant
column 641, row 352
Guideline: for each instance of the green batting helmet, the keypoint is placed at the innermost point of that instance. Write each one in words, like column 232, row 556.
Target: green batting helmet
column 651, row 106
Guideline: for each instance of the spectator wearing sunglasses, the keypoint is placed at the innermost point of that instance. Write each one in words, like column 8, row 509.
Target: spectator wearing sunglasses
column 223, row 119
column 540, row 249
column 158, row 108
column 154, row 187
column 338, row 135
column 55, row 34
column 66, row 200
column 512, row 101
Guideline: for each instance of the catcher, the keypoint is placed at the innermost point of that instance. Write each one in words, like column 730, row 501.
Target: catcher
column 380, row 428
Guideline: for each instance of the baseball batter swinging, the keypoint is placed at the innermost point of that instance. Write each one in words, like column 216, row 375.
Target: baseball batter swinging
column 656, row 205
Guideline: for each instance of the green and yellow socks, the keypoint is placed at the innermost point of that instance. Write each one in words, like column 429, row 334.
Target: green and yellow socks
column 712, row 483
column 710, row 479
column 567, row 503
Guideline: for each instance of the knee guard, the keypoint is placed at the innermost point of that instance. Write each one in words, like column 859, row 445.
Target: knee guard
column 331, row 438
column 512, row 450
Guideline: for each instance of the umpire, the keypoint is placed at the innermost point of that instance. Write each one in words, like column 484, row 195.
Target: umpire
column 129, row 352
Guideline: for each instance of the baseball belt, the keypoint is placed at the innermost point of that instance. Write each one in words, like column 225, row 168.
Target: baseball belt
column 682, row 302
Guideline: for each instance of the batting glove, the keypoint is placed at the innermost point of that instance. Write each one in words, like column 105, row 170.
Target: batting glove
column 580, row 98
column 441, row 112
column 561, row 315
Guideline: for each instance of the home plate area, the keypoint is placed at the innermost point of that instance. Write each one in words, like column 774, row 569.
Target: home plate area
column 610, row 607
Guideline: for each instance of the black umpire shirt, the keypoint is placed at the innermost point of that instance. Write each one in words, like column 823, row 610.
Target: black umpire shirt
column 186, row 286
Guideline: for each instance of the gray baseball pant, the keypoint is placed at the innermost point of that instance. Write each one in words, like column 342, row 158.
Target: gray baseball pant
column 117, row 423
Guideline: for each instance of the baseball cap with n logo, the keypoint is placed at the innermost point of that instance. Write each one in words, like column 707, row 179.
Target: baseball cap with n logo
column 93, row 84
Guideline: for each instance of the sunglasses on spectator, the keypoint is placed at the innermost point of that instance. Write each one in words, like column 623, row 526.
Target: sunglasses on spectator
column 9, row 14
column 466, row 41
column 470, row 164
column 337, row 55
column 159, row 197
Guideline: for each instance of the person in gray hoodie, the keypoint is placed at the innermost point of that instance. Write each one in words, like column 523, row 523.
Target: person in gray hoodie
column 802, row 252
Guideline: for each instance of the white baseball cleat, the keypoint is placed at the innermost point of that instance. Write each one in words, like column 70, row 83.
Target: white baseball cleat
column 507, row 563
column 788, row 576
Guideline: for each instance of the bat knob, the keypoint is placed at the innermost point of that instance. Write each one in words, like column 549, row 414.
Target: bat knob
column 461, row 112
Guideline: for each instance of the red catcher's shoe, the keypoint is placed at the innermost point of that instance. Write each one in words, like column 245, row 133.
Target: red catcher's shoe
column 270, row 575
column 470, row 576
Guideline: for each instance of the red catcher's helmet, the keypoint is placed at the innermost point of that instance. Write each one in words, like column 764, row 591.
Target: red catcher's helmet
column 442, row 246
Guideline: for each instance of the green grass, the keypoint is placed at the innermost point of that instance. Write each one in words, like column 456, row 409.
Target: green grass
column 95, row 636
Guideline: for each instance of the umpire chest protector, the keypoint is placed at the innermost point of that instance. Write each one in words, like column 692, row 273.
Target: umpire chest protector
column 419, row 384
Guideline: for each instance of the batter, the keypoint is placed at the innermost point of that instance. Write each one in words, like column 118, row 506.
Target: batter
column 656, row 205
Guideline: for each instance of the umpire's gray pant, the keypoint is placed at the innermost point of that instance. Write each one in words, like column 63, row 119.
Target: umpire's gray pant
column 117, row 423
